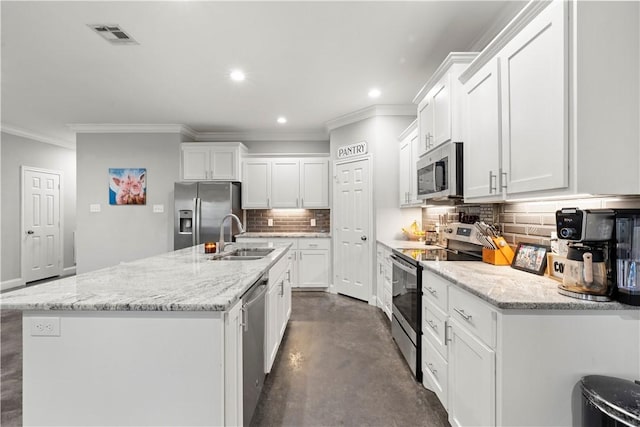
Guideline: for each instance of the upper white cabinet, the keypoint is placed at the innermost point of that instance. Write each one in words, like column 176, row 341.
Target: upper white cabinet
column 285, row 183
column 550, row 101
column 440, row 116
column 482, row 143
column 203, row 161
column 407, row 171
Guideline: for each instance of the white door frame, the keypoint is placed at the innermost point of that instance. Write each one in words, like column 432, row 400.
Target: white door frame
column 23, row 257
column 371, row 231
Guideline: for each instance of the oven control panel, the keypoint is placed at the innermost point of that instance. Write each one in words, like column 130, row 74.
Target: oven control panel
column 461, row 232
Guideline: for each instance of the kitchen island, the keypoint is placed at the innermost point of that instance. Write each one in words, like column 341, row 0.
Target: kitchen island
column 156, row 341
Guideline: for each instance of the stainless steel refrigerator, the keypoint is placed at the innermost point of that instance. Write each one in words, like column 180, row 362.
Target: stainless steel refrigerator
column 198, row 209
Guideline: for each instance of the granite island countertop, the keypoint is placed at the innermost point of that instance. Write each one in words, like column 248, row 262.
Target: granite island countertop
column 182, row 280
column 510, row 289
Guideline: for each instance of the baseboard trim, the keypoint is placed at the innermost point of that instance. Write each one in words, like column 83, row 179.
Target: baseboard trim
column 11, row 284
column 69, row 271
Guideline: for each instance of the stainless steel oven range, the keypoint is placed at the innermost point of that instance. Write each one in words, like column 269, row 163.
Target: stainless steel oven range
column 406, row 320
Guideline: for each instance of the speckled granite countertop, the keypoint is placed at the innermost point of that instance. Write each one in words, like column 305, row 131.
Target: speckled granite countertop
column 510, row 289
column 183, row 280
column 283, row 234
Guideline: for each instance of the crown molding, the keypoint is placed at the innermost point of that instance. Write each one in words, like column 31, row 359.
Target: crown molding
column 12, row 130
column 131, row 128
column 261, row 136
column 413, row 126
column 530, row 11
column 372, row 111
column 451, row 59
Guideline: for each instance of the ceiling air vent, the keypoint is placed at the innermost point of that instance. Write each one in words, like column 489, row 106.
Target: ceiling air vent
column 113, row 34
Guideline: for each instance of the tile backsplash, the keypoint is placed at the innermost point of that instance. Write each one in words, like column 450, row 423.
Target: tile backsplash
column 288, row 220
column 530, row 222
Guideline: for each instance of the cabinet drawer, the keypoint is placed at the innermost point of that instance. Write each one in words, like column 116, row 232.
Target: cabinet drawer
column 314, row 243
column 434, row 325
column 434, row 372
column 474, row 314
column 435, row 288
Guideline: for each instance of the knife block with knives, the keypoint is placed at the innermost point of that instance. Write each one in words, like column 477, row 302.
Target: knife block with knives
column 501, row 256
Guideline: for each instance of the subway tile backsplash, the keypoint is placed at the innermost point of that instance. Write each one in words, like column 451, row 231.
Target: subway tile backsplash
column 288, row 220
column 530, row 222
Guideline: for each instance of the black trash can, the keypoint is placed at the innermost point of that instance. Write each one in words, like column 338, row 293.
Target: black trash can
column 609, row 402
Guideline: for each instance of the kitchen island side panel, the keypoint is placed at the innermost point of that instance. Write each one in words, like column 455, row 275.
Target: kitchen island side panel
column 543, row 355
column 124, row 368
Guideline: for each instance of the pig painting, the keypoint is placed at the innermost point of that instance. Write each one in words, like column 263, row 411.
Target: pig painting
column 127, row 186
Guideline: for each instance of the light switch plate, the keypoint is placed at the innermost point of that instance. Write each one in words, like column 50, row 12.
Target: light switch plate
column 158, row 208
column 95, row 207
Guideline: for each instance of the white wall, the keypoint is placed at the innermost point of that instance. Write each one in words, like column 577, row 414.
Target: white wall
column 15, row 152
column 124, row 233
column 381, row 134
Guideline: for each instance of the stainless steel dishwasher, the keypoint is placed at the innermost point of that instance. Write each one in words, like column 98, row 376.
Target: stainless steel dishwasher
column 253, row 320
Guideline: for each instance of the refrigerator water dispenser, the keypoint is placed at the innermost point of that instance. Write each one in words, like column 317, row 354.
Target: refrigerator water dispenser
column 186, row 221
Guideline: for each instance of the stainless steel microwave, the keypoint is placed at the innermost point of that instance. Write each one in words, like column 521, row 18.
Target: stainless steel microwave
column 440, row 172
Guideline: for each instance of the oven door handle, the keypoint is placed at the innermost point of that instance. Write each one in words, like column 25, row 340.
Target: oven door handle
column 404, row 266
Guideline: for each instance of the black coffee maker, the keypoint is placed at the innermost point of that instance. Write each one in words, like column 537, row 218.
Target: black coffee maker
column 587, row 270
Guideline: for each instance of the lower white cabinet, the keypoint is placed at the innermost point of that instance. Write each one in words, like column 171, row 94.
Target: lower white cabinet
column 311, row 259
column 383, row 279
column 508, row 367
column 233, row 334
column 277, row 309
column 472, row 380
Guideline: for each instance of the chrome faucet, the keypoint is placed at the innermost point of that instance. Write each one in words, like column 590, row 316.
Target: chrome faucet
column 221, row 242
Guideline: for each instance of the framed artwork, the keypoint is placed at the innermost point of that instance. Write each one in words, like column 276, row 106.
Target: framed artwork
column 531, row 258
column 127, row 186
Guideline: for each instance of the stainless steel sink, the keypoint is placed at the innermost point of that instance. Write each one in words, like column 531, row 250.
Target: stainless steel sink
column 243, row 254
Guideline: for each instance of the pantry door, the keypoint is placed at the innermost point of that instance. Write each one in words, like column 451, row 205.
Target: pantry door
column 352, row 226
column 41, row 243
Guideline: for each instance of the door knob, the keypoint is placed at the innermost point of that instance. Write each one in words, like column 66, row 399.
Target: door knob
column 363, row 238
column 30, row 232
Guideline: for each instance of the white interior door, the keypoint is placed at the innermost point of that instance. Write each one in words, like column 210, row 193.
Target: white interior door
column 41, row 249
column 352, row 205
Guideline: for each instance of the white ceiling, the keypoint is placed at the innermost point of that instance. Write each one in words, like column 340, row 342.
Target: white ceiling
column 309, row 61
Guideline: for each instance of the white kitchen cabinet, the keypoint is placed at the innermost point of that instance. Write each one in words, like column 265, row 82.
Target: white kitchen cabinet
column 256, row 184
column 277, row 297
column 313, row 263
column 440, row 113
column 407, row 170
column 482, row 142
column 556, row 90
column 314, row 183
column 310, row 259
column 212, row 161
column 471, row 379
column 383, row 279
column 534, row 94
column 285, row 183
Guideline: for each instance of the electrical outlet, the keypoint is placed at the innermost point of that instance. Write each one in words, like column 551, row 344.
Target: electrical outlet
column 270, row 222
column 313, row 222
column 45, row 326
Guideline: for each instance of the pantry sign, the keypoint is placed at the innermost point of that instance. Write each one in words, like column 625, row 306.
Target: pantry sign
column 352, row 150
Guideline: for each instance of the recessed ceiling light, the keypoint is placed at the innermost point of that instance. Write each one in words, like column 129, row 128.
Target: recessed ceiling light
column 237, row 75
column 374, row 93
column 282, row 120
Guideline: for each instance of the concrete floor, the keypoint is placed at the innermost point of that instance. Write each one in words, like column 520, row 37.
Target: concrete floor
column 337, row 366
